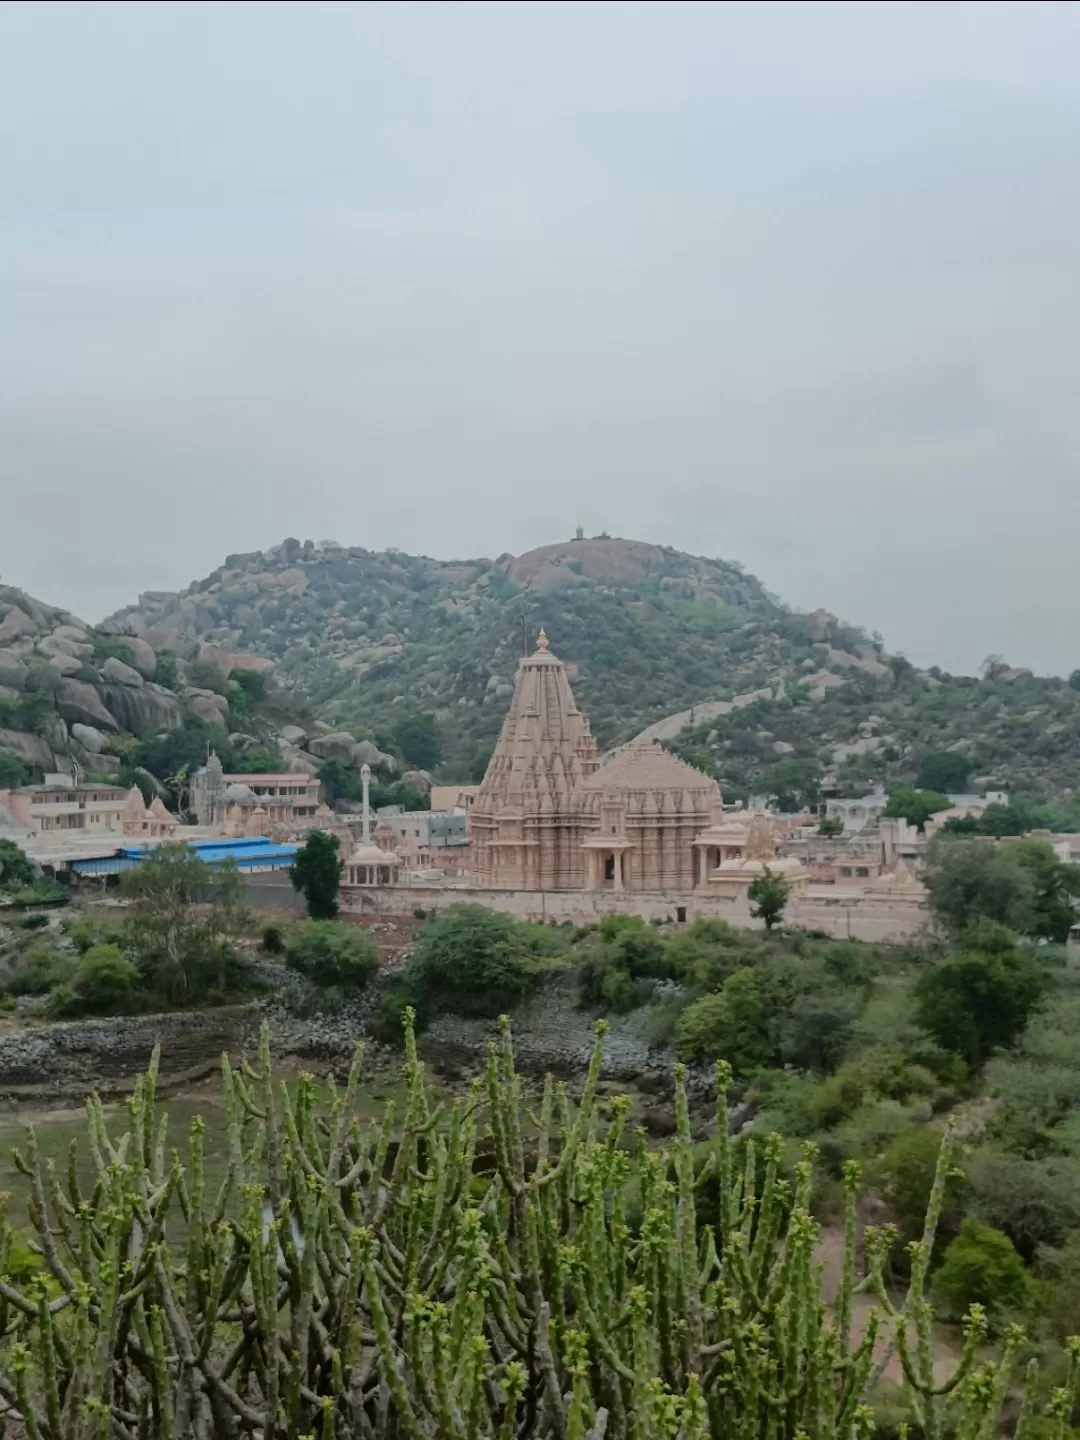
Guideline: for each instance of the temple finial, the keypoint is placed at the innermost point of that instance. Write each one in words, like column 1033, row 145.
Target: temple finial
column 542, row 641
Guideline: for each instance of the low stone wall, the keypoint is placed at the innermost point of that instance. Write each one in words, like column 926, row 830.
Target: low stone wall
column 841, row 914
column 82, row 1055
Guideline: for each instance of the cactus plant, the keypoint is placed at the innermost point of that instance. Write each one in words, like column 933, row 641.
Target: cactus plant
column 476, row 1271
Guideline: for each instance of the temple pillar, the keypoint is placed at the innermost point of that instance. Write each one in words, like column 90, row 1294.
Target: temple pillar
column 617, row 856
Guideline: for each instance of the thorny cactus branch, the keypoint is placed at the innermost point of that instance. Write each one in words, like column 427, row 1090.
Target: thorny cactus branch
column 378, row 1282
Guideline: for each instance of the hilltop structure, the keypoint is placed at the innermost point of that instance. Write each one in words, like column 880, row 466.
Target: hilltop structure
column 549, row 816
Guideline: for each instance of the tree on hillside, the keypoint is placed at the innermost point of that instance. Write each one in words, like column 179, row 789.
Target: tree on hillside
column 15, row 869
column 979, row 1002
column 831, row 826
column 768, row 895
column 1020, row 884
column 914, row 806
column 792, row 783
column 472, row 961
column 945, row 772
column 316, row 872
column 417, row 737
column 14, row 770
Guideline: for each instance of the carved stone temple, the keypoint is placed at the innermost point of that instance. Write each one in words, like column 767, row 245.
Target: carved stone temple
column 549, row 816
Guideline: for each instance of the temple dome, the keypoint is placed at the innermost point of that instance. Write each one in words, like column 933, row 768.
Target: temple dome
column 646, row 779
column 372, row 854
column 239, row 794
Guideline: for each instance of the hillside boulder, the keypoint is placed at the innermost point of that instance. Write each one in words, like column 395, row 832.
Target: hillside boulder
column 121, row 674
column 57, row 645
column 293, row 734
column 31, row 748
column 143, row 657
column 418, row 780
column 368, row 754
column 13, row 672
column 298, row 762
column 206, row 706
column 89, row 737
column 338, row 745
column 77, row 700
column 16, row 622
column 66, row 664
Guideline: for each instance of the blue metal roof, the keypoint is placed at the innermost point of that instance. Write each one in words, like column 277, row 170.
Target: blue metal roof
column 250, row 854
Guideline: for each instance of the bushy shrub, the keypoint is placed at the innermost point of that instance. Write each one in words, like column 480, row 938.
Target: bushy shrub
column 905, row 1174
column 388, row 1026
column 273, row 938
column 620, row 968
column 105, row 982
column 1034, row 1202
column 473, row 961
column 39, row 968
column 981, row 1267
column 332, row 954
column 32, row 922
column 742, row 1022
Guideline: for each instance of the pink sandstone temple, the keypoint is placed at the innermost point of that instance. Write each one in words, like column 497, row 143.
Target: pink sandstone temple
column 549, row 816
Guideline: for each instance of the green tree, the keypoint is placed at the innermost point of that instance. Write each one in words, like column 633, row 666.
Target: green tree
column 981, row 1267
column 768, row 896
column 946, row 772
column 479, row 763
column 977, row 1003
column 1021, row 885
column 16, row 871
column 472, row 961
column 14, row 770
column 316, row 873
column 417, row 736
column 332, row 954
column 914, row 806
column 831, row 826
column 791, row 783
column 182, row 917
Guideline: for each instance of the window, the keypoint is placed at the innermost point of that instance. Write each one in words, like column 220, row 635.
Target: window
column 862, row 870
column 845, row 869
column 680, row 914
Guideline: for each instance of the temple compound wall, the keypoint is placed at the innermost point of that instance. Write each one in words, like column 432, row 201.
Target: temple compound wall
column 843, row 916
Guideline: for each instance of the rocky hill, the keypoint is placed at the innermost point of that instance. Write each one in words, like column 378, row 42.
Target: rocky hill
column 693, row 648
column 73, row 694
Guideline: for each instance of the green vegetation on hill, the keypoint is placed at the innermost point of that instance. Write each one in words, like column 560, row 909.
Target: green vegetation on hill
column 646, row 631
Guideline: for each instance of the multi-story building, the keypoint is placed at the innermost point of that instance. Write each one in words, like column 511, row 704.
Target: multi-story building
column 60, row 805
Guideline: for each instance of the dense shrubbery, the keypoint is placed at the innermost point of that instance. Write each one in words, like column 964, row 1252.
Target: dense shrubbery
column 331, row 954
column 475, row 962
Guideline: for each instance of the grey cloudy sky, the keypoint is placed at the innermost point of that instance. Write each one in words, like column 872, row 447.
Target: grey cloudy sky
column 797, row 285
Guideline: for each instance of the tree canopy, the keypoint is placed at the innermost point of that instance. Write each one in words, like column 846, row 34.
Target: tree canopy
column 1020, row 884
column 316, row 873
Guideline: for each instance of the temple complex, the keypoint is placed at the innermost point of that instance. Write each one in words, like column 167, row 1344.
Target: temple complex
column 549, row 816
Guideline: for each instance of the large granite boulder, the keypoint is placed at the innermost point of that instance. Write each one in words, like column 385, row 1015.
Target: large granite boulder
column 89, row 737
column 143, row 657
column 66, row 664
column 291, row 734
column 214, row 659
column 57, row 645
column 338, row 745
column 16, row 622
column 77, row 700
column 121, row 674
column 13, row 672
column 74, row 635
column 146, row 709
column 365, row 753
column 211, row 709
column 298, row 762
column 418, row 780
column 31, row 748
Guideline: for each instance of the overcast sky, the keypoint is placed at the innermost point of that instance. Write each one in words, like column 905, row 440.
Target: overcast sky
column 797, row 285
